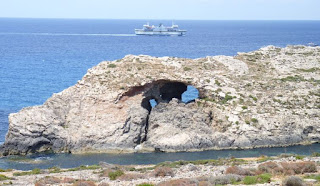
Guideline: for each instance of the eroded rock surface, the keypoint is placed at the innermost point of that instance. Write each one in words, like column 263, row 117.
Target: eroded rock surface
column 269, row 97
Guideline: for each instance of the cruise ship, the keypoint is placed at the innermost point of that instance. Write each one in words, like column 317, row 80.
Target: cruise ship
column 160, row 30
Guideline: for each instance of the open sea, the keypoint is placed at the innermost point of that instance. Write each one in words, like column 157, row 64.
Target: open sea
column 39, row 57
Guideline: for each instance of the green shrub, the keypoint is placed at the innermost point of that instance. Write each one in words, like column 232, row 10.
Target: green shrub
column 244, row 107
column 36, row 171
column 254, row 120
column 32, row 172
column 84, row 167
column 295, row 78
column 315, row 154
column 250, row 180
column 299, row 157
column 145, row 184
column 217, row 83
column 187, row 69
column 314, row 69
column 315, row 177
column 55, row 170
column 115, row 174
column 3, row 177
column 112, row 65
column 254, row 98
column 5, row 170
column 277, row 100
column 262, row 178
column 226, row 99
column 209, row 99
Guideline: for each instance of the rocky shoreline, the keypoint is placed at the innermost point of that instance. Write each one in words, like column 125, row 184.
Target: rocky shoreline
column 265, row 98
column 246, row 171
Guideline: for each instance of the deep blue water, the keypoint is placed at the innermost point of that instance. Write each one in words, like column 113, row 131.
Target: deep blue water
column 39, row 57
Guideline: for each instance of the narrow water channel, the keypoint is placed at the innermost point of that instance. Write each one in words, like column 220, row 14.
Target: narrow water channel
column 73, row 160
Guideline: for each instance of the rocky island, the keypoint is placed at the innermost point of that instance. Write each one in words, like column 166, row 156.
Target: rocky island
column 265, row 98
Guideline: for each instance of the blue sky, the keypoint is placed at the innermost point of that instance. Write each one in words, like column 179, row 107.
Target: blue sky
column 164, row 9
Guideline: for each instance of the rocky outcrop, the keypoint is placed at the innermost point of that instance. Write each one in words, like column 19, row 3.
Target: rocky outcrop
column 269, row 97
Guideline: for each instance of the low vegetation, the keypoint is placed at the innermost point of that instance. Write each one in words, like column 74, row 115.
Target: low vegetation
column 262, row 178
column 293, row 181
column 288, row 168
column 57, row 170
column 314, row 69
column 314, row 176
column 182, row 181
column 235, row 174
column 32, row 172
column 84, row 183
column 3, row 177
column 112, row 65
column 132, row 176
column 145, row 184
column 298, row 78
column 238, row 171
column 113, row 175
column 224, row 179
column 315, row 154
column 216, row 162
column 163, row 171
column 5, row 170
column 84, row 167
column 254, row 120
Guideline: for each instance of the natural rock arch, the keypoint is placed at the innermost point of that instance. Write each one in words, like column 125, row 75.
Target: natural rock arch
column 162, row 91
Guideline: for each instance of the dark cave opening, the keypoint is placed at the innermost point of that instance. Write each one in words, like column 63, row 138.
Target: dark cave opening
column 165, row 91
column 172, row 90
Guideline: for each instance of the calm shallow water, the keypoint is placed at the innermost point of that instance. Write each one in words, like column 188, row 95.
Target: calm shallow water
column 74, row 160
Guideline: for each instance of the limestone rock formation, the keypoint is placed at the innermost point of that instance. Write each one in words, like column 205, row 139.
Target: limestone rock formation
column 269, row 97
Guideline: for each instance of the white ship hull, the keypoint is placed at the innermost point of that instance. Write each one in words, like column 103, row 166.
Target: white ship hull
column 160, row 33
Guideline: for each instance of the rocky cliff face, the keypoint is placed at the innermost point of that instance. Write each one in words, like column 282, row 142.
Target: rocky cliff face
column 269, row 97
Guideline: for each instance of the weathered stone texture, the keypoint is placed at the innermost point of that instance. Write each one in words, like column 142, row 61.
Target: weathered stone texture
column 268, row 97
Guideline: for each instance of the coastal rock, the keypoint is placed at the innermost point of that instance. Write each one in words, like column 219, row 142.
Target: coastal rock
column 269, row 97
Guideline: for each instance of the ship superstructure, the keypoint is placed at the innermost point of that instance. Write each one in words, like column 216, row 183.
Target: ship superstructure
column 160, row 30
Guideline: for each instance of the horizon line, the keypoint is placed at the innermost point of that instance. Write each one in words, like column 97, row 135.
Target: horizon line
column 162, row 19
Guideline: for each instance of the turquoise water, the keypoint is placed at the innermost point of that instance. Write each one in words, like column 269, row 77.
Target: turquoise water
column 74, row 160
